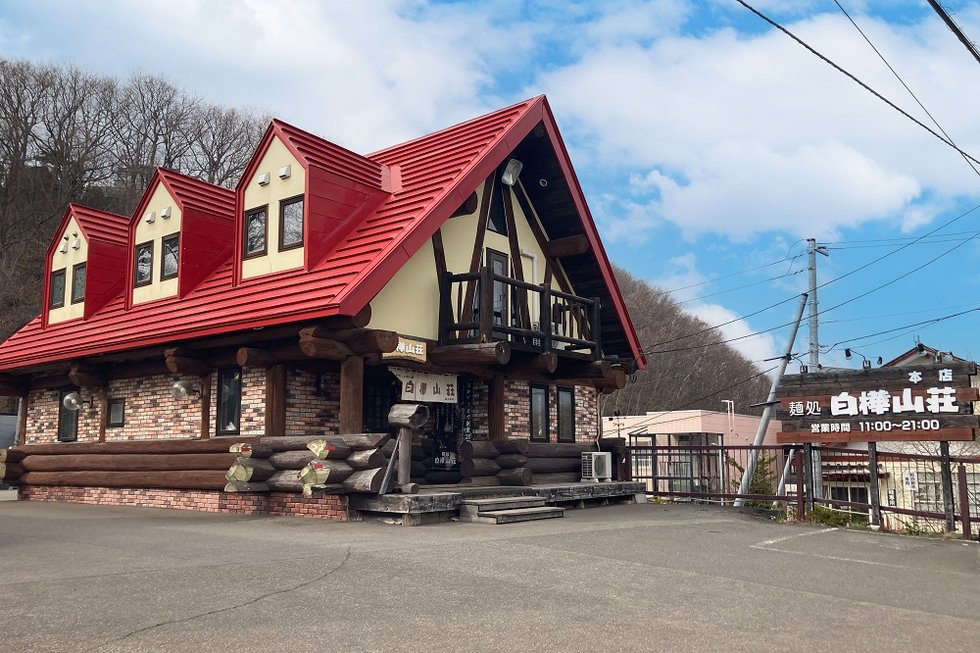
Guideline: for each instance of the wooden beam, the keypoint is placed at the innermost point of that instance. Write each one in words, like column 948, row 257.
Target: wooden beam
column 275, row 401
column 178, row 362
column 324, row 348
column 577, row 369
column 21, row 438
column 86, row 376
column 490, row 353
column 616, row 379
column 373, row 341
column 495, row 408
column 543, row 363
column 103, row 413
column 516, row 260
column 174, row 480
column 352, row 395
column 466, row 310
column 127, row 462
column 568, row 246
column 254, row 357
column 206, row 407
column 357, row 321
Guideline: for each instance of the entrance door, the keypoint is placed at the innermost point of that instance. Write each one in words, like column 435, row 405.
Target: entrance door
column 499, row 264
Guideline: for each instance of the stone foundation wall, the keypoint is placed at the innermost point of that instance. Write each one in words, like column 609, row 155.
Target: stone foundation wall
column 331, row 507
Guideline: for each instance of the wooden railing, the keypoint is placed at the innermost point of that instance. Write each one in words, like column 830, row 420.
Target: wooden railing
column 486, row 307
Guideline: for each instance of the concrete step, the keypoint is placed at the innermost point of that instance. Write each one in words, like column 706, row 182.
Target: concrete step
column 515, row 515
column 503, row 503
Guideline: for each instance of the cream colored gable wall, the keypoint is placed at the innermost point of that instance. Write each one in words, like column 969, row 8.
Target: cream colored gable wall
column 270, row 195
column 156, row 231
column 66, row 261
column 409, row 304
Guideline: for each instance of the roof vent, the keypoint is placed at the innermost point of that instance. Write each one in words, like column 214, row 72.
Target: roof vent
column 264, row 179
column 165, row 212
column 286, row 171
column 151, row 217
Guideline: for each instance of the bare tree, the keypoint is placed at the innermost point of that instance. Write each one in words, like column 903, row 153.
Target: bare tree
column 223, row 143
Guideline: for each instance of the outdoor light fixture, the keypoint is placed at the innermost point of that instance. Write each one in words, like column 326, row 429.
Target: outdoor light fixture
column 64, row 246
column 151, row 217
column 165, row 212
column 76, row 243
column 184, row 390
column 511, row 172
column 73, row 402
column 264, row 179
column 286, row 171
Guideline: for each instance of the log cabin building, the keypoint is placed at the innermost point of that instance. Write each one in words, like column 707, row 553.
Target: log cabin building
column 461, row 269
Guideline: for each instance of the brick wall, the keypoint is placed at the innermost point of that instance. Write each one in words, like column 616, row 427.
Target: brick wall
column 309, row 412
column 333, row 507
column 150, row 410
column 517, row 411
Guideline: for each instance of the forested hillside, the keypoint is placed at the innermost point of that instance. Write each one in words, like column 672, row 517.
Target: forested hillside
column 700, row 376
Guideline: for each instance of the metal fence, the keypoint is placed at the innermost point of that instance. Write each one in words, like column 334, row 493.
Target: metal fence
column 905, row 492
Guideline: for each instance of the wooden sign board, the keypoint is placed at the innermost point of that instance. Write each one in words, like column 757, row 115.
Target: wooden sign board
column 928, row 402
column 408, row 349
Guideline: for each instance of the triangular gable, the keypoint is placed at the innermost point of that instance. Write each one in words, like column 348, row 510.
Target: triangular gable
column 105, row 234
column 493, row 138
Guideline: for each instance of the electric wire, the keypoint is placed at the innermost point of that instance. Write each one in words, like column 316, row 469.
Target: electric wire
column 902, row 81
column 733, row 274
column 830, row 348
column 855, row 79
column 742, row 287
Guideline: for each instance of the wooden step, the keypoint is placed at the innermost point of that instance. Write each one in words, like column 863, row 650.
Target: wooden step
column 514, row 515
column 503, row 503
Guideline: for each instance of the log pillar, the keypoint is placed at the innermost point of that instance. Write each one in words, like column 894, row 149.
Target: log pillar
column 275, row 400
column 21, row 438
column 352, row 394
column 495, row 408
column 103, row 413
column 205, row 406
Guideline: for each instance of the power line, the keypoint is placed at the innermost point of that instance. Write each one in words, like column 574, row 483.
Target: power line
column 902, row 81
column 955, row 29
column 855, row 79
column 733, row 274
column 901, row 328
column 748, row 285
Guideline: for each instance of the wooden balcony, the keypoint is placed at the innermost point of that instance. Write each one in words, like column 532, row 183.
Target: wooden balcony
column 529, row 317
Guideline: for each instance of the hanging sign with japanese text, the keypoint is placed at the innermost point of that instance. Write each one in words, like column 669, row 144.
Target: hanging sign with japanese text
column 426, row 386
column 931, row 402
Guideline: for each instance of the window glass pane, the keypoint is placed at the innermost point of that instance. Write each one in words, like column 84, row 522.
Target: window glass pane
column 255, row 232
column 229, row 401
column 496, row 220
column 839, row 494
column 117, row 412
column 78, row 283
column 566, row 415
column 144, row 263
column 539, row 413
column 57, row 289
column 171, row 247
column 291, row 234
column 67, row 420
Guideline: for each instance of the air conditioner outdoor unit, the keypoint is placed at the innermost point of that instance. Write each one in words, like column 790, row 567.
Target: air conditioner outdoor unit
column 596, row 466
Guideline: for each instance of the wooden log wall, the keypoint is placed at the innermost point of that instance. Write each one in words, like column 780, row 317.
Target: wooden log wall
column 151, row 464
column 349, row 463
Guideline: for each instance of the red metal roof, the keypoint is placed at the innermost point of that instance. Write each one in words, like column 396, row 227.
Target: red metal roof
column 431, row 177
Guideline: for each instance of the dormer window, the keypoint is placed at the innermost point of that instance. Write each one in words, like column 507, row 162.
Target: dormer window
column 57, row 299
column 143, row 272
column 78, row 283
column 256, row 232
column 291, row 223
column 169, row 256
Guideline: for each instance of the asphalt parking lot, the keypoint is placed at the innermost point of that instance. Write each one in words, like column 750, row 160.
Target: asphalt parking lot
column 623, row 578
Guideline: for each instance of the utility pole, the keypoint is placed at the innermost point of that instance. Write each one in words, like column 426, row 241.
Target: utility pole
column 812, row 250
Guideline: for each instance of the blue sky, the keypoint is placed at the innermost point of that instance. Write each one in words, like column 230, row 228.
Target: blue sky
column 709, row 145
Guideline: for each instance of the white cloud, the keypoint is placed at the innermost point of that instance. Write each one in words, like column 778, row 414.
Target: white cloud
column 740, row 134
